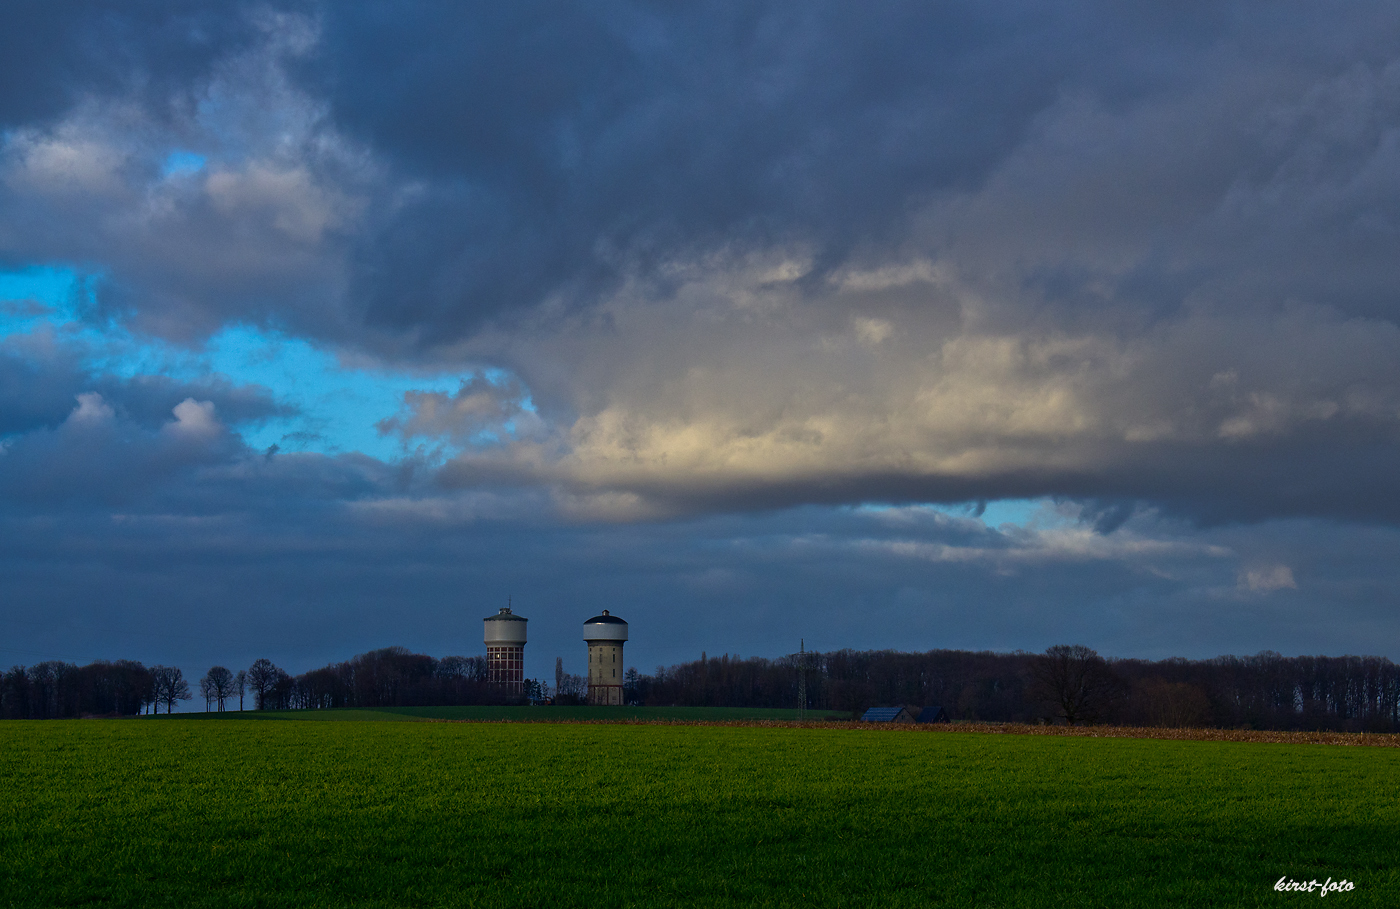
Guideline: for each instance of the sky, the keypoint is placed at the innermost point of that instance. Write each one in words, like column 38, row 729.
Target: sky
column 327, row 327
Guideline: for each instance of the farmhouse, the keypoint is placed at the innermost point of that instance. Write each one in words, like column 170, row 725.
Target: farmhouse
column 887, row 715
column 933, row 714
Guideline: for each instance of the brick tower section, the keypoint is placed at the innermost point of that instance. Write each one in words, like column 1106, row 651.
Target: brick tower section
column 505, row 651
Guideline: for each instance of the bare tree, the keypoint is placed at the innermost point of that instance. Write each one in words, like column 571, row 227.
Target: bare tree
column 263, row 677
column 558, row 674
column 453, row 667
column 1075, row 682
column 572, row 686
column 217, row 685
column 240, row 684
column 283, row 687
column 170, row 686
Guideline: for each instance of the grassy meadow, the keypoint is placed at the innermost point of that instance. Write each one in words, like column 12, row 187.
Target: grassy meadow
column 189, row 813
column 582, row 714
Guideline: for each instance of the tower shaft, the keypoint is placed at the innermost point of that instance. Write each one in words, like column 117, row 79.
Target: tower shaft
column 605, row 670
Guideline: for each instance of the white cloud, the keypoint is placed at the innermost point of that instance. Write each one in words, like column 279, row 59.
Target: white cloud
column 289, row 199
column 74, row 160
column 872, row 331
column 1067, row 544
column 883, row 278
column 91, row 409
column 194, row 419
column 1267, row 578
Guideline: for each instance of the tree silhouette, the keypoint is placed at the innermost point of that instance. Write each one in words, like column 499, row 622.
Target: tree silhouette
column 170, row 686
column 217, row 685
column 263, row 677
column 1075, row 682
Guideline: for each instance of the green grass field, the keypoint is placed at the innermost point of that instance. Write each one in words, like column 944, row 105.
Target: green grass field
column 518, row 714
column 188, row 813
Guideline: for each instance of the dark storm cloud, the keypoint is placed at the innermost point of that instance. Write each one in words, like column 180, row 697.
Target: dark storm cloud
column 749, row 257
column 37, row 387
column 566, row 148
column 538, row 152
column 55, row 55
column 94, row 457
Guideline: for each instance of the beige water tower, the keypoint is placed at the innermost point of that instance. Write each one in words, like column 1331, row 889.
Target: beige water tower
column 605, row 634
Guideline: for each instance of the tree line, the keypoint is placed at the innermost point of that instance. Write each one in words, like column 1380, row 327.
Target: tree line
column 55, row 689
column 391, row 677
column 1066, row 683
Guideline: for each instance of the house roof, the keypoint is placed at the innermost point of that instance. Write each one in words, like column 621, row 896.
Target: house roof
column 933, row 714
column 883, row 714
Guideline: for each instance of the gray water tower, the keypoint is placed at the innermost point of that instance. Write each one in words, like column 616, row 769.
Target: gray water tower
column 605, row 634
column 505, row 650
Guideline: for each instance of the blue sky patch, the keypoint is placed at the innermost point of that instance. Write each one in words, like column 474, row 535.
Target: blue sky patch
column 181, row 163
column 337, row 406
